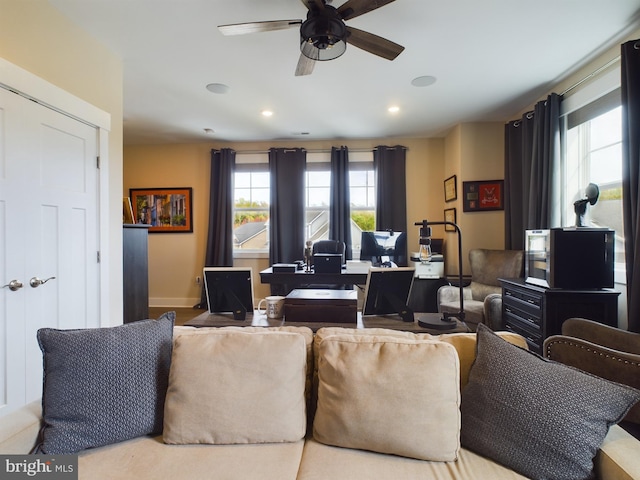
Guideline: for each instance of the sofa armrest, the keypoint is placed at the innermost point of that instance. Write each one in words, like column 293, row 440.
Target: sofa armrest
column 493, row 311
column 601, row 334
column 614, row 365
column 19, row 430
column 618, row 457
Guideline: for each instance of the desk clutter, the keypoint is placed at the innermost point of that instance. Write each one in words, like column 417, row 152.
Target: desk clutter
column 321, row 305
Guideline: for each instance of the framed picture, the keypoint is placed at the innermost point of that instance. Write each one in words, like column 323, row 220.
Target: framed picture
column 167, row 210
column 450, row 189
column 450, row 216
column 483, row 196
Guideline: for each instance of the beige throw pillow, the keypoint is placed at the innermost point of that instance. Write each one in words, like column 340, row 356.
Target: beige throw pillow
column 236, row 387
column 390, row 395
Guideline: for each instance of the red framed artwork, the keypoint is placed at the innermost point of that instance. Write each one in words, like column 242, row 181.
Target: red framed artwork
column 483, row 195
column 166, row 210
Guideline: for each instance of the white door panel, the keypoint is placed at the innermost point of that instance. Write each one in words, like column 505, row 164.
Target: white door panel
column 50, row 194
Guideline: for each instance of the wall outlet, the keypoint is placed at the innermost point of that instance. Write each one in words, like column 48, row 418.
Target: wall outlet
column 198, row 280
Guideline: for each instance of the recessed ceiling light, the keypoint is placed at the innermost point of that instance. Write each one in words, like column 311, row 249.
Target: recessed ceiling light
column 220, row 88
column 423, row 81
column 394, row 109
column 267, row 113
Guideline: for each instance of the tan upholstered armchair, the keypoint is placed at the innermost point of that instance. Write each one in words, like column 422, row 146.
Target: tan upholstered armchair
column 601, row 350
column 483, row 297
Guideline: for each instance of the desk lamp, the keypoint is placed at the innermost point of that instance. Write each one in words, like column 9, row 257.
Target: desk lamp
column 434, row 321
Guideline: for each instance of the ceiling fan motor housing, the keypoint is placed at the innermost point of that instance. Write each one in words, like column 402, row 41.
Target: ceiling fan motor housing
column 323, row 35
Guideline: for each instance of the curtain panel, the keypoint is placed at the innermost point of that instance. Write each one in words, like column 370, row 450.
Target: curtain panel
column 630, row 90
column 219, row 248
column 532, row 171
column 287, row 210
column 340, row 209
column 391, row 198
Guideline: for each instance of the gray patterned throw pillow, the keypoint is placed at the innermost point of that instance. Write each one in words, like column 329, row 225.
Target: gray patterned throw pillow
column 542, row 419
column 104, row 385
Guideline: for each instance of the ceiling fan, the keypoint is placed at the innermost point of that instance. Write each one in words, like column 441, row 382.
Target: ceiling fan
column 324, row 35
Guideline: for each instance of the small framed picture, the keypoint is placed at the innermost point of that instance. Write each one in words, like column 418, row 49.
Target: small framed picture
column 166, row 210
column 450, row 189
column 450, row 216
column 483, row 195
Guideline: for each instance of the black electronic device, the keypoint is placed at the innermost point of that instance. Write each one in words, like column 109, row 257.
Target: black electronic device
column 387, row 292
column 570, row 258
column 229, row 290
column 327, row 263
column 384, row 246
column 284, row 267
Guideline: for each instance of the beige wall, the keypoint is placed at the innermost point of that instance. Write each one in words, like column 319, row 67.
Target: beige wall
column 177, row 258
column 37, row 38
column 474, row 151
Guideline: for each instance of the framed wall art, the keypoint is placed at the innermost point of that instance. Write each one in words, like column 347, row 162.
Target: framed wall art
column 166, row 210
column 483, row 195
column 450, row 216
column 450, row 189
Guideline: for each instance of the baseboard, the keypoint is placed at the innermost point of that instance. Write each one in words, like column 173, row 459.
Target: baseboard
column 173, row 302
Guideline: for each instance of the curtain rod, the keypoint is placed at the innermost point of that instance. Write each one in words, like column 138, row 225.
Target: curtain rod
column 591, row 75
column 317, row 150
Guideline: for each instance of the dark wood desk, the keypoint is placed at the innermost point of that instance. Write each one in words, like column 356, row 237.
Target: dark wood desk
column 390, row 322
column 282, row 283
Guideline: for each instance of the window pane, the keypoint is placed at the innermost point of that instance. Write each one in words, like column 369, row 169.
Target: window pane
column 594, row 155
column 605, row 129
column 606, row 165
column 251, row 210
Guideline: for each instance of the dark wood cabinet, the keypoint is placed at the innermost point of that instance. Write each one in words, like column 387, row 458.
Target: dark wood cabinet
column 537, row 313
column 135, row 257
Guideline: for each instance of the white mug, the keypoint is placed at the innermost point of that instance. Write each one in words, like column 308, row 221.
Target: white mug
column 274, row 306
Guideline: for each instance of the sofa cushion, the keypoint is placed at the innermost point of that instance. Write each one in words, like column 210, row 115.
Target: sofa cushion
column 541, row 418
column 389, row 394
column 148, row 458
column 104, row 385
column 233, row 387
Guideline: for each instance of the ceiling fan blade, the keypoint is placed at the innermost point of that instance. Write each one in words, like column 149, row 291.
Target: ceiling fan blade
column 254, row 27
column 373, row 43
column 305, row 66
column 355, row 8
column 311, row 4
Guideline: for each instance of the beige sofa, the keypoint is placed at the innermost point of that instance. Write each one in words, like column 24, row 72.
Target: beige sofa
column 342, row 444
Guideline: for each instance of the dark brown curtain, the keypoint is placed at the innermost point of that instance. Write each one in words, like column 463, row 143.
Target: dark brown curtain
column 630, row 88
column 340, row 210
column 219, row 249
column 391, row 198
column 532, row 171
column 287, row 211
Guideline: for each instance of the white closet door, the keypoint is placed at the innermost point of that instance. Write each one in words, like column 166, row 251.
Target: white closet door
column 48, row 217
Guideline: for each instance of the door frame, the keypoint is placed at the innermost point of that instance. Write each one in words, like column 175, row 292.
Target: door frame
column 30, row 86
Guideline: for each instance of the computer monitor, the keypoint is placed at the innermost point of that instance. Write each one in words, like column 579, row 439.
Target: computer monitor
column 387, row 292
column 229, row 290
column 384, row 246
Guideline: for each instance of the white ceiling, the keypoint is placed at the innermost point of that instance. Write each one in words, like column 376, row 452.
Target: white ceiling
column 491, row 58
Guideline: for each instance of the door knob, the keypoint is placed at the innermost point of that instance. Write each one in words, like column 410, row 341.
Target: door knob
column 14, row 285
column 36, row 282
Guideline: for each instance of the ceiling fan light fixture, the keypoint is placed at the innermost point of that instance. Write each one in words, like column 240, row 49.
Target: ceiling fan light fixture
column 323, row 35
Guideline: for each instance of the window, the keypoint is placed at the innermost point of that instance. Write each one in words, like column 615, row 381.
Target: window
column 252, row 197
column 251, row 209
column 593, row 154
